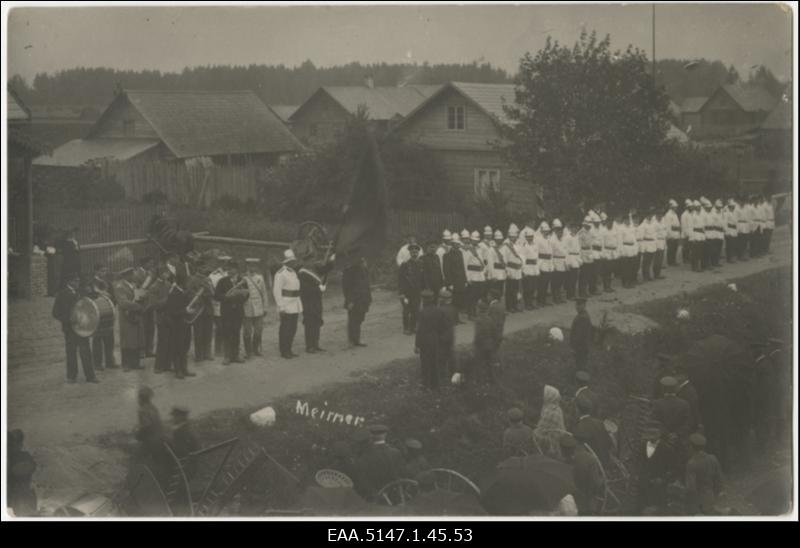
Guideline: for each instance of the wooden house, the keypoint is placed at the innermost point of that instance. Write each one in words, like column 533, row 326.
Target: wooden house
column 460, row 123
column 730, row 111
column 221, row 127
column 322, row 118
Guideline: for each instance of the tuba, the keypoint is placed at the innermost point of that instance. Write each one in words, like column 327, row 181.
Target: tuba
column 196, row 307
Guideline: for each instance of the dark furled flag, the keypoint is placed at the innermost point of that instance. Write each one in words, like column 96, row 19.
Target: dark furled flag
column 364, row 227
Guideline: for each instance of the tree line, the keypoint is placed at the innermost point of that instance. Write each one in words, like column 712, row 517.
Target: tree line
column 280, row 84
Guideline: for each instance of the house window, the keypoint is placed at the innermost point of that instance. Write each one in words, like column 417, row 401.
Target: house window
column 456, row 117
column 486, row 180
column 128, row 128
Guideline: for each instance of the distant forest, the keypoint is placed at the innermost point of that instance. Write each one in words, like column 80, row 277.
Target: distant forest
column 94, row 87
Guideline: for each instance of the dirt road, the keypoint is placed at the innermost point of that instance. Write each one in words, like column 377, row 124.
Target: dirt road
column 67, row 426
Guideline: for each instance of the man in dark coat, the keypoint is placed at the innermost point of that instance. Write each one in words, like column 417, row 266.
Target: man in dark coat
column 62, row 310
column 447, row 353
column 179, row 334
column 586, row 474
column 486, row 341
column 203, row 326
column 22, row 498
column 455, row 276
column 674, row 413
column 655, row 460
column 184, row 440
column 150, row 434
column 581, row 334
column 357, row 299
column 232, row 292
column 416, row 463
column 703, row 478
column 666, row 368
column 71, row 255
column 380, row 464
column 592, row 431
column 103, row 341
column 409, row 284
column 432, row 329
column 312, row 285
column 433, row 279
column 147, row 316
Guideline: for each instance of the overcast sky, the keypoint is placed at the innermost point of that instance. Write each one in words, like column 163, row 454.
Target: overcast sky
column 170, row 38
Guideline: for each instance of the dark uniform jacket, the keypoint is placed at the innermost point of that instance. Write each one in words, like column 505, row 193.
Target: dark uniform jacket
column 433, row 327
column 232, row 306
column 455, row 274
column 62, row 307
column 580, row 336
column 311, row 293
column 674, row 414
column 411, row 278
column 355, row 286
column 486, row 338
column 432, row 273
column 71, row 254
column 379, row 465
column 592, row 432
column 659, row 465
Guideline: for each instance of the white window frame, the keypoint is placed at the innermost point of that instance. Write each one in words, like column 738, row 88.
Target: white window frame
column 480, row 187
column 463, row 108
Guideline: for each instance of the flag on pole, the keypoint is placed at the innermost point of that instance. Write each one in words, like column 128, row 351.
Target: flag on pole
column 363, row 231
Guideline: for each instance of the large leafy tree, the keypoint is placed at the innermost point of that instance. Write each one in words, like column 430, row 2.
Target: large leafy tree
column 587, row 124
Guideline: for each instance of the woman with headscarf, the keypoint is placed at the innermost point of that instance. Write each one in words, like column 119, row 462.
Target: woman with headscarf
column 551, row 423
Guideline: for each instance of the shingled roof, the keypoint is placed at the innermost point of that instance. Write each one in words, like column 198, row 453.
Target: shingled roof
column 751, row 98
column 382, row 102
column 210, row 123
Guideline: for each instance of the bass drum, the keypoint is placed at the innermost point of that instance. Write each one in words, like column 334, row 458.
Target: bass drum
column 90, row 316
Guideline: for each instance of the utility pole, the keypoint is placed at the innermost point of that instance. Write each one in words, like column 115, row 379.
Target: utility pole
column 654, row 46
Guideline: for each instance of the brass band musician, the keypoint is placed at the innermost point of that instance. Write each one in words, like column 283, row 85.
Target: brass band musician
column 103, row 341
column 62, row 310
column 232, row 292
column 200, row 312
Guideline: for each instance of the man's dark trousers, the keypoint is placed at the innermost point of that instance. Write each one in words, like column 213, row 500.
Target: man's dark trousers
column 232, row 326
column 672, row 252
column 428, row 358
column 286, row 332
column 75, row 344
column 202, row 329
column 355, row 317
column 103, row 345
column 410, row 312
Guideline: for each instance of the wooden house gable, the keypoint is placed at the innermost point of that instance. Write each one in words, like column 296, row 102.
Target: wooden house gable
column 123, row 121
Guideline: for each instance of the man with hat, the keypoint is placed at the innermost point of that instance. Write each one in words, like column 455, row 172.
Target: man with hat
column 286, row 290
column 661, row 246
column 455, row 274
column 416, row 463
column 486, row 341
column 673, row 227
column 219, row 332
column 703, row 478
column 513, row 261
column 357, row 298
column 102, row 340
column 255, row 308
column 312, row 286
column 573, row 248
column 530, row 268
column 444, row 247
column 743, row 229
column 629, row 251
column 591, row 431
column 674, row 413
column 609, row 256
column 710, row 233
column 446, row 362
column 432, row 327
column 687, row 392
column 586, row 394
column 687, row 218
column 545, row 263
column 601, row 256
column 404, row 254
column 497, row 264
column 697, row 237
column 232, row 292
column 581, row 335
column 184, row 441
column 729, row 219
column 476, row 274
column 432, row 278
column 586, row 475
column 587, row 258
column 666, row 368
column 71, row 255
column 656, row 459
column 518, row 437
column 559, row 249
column 649, row 245
column 485, row 253
column 411, row 278
column 65, row 301
column 173, row 331
column 719, row 232
column 143, row 278
column 201, row 291
column 380, row 464
column 130, row 318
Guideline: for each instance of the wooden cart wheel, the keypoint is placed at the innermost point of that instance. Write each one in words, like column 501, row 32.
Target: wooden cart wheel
column 398, row 492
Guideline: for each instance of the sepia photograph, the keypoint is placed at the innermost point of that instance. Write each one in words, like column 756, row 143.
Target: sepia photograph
column 448, row 263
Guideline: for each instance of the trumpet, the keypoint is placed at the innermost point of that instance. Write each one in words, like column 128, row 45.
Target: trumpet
column 240, row 282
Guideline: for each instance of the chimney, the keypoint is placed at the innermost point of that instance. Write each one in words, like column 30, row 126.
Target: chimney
column 368, row 81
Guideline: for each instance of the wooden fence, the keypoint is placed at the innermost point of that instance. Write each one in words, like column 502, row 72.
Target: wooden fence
column 192, row 186
column 98, row 225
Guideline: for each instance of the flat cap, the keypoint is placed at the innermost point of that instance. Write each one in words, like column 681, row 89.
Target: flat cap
column 515, row 414
column 669, row 382
column 583, row 376
column 411, row 443
column 697, row 440
column 377, row 428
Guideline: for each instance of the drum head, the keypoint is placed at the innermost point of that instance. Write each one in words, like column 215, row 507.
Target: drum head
column 85, row 317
